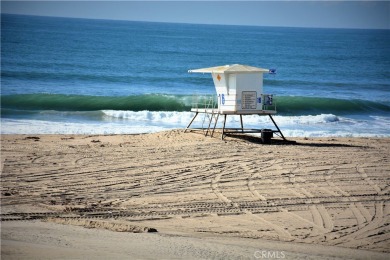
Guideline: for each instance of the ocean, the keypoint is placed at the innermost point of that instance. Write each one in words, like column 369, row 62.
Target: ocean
column 84, row 76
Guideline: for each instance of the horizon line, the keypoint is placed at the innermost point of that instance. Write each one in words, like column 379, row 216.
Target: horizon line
column 194, row 23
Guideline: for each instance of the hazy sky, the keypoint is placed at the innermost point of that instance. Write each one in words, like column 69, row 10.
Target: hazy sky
column 333, row 14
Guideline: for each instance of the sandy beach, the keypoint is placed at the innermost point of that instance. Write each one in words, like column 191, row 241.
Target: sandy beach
column 175, row 195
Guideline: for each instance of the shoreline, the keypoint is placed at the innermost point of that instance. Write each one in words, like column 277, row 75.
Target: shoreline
column 319, row 193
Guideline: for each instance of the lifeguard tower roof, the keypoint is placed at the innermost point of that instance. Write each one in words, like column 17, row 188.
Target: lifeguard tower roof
column 235, row 68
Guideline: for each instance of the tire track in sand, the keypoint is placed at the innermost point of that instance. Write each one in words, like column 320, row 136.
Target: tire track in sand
column 217, row 192
column 380, row 218
column 320, row 215
column 322, row 222
column 359, row 211
column 254, row 174
column 367, row 179
column 282, row 233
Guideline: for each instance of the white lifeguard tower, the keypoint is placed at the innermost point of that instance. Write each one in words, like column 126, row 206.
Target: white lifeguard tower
column 239, row 92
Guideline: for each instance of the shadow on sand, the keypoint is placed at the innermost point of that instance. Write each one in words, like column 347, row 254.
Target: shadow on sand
column 279, row 141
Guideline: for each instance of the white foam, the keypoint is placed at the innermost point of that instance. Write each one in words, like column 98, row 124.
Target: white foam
column 185, row 117
column 171, row 117
column 130, row 122
column 286, row 120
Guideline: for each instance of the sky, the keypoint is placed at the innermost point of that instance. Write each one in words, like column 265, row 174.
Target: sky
column 318, row 14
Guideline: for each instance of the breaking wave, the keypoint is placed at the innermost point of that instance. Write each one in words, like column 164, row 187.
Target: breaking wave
column 286, row 105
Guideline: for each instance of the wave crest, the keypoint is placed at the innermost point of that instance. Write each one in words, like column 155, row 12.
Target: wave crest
column 286, row 105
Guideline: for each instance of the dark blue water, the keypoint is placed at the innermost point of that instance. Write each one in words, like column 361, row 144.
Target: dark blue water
column 110, row 74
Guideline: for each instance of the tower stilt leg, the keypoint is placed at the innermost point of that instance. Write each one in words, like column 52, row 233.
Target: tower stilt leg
column 223, row 128
column 242, row 125
column 216, row 121
column 191, row 122
column 277, row 128
column 208, row 128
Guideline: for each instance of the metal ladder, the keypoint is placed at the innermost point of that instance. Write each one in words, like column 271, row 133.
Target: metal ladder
column 210, row 104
